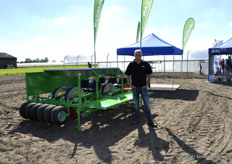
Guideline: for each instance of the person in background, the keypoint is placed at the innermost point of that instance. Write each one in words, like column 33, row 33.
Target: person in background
column 217, row 67
column 138, row 75
column 222, row 65
column 200, row 69
column 228, row 68
column 89, row 65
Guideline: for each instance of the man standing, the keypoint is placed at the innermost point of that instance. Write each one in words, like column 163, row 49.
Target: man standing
column 229, row 68
column 222, row 65
column 89, row 65
column 138, row 76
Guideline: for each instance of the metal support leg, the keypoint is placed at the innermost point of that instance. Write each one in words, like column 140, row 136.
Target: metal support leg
column 79, row 119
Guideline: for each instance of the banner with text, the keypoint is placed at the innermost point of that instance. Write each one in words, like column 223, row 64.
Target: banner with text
column 98, row 4
column 188, row 27
column 145, row 11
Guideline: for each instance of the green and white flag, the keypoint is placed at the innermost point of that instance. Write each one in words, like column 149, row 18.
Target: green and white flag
column 188, row 27
column 138, row 32
column 98, row 4
column 145, row 11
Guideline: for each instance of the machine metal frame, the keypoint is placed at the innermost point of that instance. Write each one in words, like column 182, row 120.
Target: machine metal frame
column 39, row 85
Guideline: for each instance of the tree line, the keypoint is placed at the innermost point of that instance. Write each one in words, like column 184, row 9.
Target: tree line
column 37, row 60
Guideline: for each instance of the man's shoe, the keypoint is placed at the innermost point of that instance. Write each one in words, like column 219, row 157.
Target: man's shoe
column 151, row 124
column 135, row 122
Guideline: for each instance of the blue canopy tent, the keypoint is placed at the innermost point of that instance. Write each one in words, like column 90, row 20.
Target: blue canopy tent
column 225, row 48
column 151, row 45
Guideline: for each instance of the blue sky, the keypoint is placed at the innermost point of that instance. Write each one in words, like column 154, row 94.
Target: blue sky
column 55, row 28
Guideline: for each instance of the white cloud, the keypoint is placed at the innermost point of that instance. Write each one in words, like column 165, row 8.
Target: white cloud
column 198, row 47
column 198, row 54
column 60, row 20
column 114, row 16
column 230, row 24
column 199, row 43
column 202, row 25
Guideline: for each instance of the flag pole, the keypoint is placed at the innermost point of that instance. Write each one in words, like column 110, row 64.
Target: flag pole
column 141, row 28
column 95, row 61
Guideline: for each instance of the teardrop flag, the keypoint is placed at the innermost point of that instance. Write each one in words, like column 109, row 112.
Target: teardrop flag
column 188, row 27
column 145, row 11
column 98, row 4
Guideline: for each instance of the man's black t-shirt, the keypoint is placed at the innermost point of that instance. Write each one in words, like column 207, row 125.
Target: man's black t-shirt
column 138, row 73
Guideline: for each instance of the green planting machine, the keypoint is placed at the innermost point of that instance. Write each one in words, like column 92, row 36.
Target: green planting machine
column 55, row 94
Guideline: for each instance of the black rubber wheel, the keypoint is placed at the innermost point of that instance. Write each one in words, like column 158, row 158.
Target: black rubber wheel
column 22, row 109
column 34, row 111
column 56, row 114
column 47, row 113
column 28, row 110
column 40, row 112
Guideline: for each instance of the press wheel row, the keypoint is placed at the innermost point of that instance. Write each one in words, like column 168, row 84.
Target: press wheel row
column 43, row 112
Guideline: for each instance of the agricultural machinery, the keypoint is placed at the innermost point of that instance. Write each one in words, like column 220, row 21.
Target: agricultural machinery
column 55, row 94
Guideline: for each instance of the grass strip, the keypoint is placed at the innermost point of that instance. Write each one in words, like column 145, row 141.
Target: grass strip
column 21, row 71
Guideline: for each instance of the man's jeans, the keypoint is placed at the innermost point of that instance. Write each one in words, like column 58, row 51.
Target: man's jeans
column 144, row 93
column 228, row 75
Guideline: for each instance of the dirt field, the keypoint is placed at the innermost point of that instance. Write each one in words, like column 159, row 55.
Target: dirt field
column 195, row 126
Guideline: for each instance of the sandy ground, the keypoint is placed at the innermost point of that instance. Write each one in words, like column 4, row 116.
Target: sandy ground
column 194, row 127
